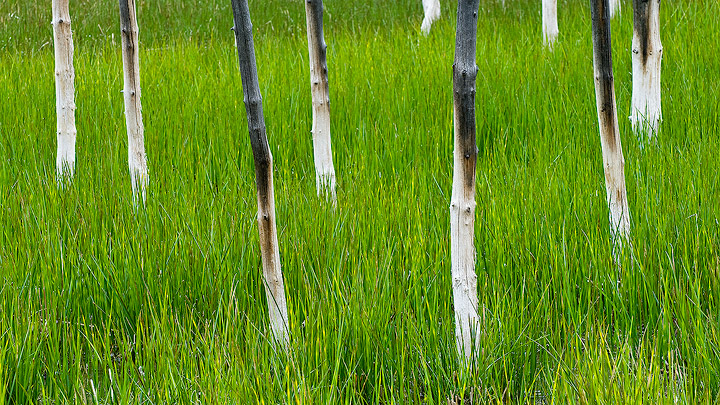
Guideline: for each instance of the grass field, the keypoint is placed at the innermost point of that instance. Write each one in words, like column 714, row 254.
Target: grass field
column 101, row 303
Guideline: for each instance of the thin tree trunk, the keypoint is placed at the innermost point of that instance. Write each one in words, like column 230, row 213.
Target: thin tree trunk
column 613, row 160
column 462, row 205
column 549, row 22
column 274, row 287
column 646, row 109
column 322, row 146
column 432, row 13
column 64, row 89
column 614, row 8
column 137, row 160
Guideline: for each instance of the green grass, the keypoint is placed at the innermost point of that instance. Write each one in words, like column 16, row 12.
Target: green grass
column 103, row 303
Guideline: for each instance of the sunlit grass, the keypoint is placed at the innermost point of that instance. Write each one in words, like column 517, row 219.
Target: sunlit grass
column 166, row 304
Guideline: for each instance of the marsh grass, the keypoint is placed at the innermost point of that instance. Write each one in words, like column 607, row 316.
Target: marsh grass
column 101, row 302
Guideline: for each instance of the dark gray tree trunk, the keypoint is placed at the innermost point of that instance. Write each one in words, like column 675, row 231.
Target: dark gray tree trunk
column 462, row 205
column 137, row 160
column 320, row 89
column 613, row 160
column 269, row 250
column 646, row 108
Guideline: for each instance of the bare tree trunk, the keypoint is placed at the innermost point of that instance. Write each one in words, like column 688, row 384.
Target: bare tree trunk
column 137, row 160
column 462, row 205
column 613, row 160
column 549, row 22
column 64, row 89
column 646, row 109
column 274, row 287
column 614, row 8
column 432, row 13
column 322, row 146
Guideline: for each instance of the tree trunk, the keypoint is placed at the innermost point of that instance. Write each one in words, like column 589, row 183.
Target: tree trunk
column 613, row 160
column 322, row 146
column 462, row 205
column 64, row 89
column 137, row 160
column 274, row 287
column 549, row 22
column 614, row 8
column 432, row 13
column 646, row 109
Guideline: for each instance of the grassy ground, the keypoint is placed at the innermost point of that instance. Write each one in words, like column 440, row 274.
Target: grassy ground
column 102, row 303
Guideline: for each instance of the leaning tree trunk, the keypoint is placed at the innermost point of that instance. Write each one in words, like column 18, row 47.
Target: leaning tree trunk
column 613, row 160
column 137, row 160
column 462, row 204
column 646, row 109
column 549, row 22
column 274, row 287
column 614, row 8
column 324, row 169
column 432, row 13
column 64, row 89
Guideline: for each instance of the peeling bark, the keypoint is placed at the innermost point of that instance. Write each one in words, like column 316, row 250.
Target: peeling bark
column 269, row 248
column 549, row 23
column 137, row 160
column 320, row 89
column 646, row 108
column 64, row 89
column 613, row 160
column 432, row 14
column 462, row 204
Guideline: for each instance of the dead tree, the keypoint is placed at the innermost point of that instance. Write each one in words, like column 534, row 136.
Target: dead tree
column 64, row 89
column 320, row 90
column 647, row 50
column 462, row 204
column 274, row 286
column 137, row 160
column 613, row 160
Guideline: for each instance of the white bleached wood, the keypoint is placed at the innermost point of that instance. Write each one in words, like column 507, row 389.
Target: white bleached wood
column 462, row 202
column 320, row 90
column 647, row 50
column 137, row 160
column 64, row 89
column 613, row 160
column 549, row 23
column 614, row 8
column 432, row 13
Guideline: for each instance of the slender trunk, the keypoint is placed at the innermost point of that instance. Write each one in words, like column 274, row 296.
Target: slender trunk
column 549, row 22
column 137, row 160
column 322, row 147
column 462, row 205
column 64, row 89
column 432, row 13
column 614, row 8
column 274, row 287
column 613, row 160
column 646, row 109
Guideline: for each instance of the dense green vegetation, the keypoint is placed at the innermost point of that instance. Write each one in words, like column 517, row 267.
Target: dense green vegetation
column 101, row 302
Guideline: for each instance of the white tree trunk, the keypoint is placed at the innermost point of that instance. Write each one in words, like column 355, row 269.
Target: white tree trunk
column 614, row 8
column 320, row 89
column 549, row 23
column 462, row 202
column 613, row 160
column 64, row 89
column 646, row 109
column 432, row 13
column 137, row 159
